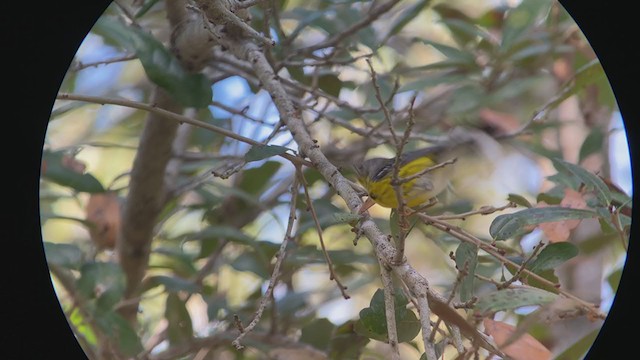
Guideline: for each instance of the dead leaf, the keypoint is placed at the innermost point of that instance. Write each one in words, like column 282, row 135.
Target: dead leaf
column 103, row 211
column 560, row 309
column 504, row 122
column 561, row 230
column 525, row 347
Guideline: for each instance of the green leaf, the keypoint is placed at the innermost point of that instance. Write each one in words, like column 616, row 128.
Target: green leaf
column 467, row 254
column 346, row 343
column 193, row 90
column 81, row 325
column 119, row 330
column 216, row 304
column 373, row 321
column 102, row 280
column 261, row 152
column 61, row 175
column 180, row 263
column 318, row 333
column 509, row 225
column 589, row 73
column 256, row 260
column 251, row 262
column 148, row 4
column 406, row 17
column 519, row 19
column 552, row 256
column 590, row 180
column 65, row 255
column 580, row 348
column 509, row 299
column 217, row 232
column 292, row 302
column 330, row 83
column 519, row 200
column 171, row 283
column 465, row 32
column 179, row 327
column 255, row 180
column 310, row 254
column 452, row 53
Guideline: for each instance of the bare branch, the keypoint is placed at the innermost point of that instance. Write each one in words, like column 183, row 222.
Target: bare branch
column 145, row 198
column 267, row 297
column 389, row 309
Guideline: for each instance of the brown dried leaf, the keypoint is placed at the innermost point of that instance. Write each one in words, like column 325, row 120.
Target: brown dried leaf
column 504, row 122
column 103, row 211
column 560, row 230
column 525, row 347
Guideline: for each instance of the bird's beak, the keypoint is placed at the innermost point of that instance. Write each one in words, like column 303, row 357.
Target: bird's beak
column 366, row 205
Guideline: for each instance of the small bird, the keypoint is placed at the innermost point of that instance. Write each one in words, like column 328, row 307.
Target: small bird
column 419, row 184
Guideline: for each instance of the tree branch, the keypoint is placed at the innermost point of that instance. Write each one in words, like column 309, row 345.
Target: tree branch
column 145, row 198
column 248, row 51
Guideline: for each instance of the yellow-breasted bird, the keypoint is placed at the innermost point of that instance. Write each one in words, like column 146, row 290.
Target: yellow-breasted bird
column 478, row 149
column 376, row 175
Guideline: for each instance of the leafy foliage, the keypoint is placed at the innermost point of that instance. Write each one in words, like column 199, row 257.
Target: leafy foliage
column 361, row 75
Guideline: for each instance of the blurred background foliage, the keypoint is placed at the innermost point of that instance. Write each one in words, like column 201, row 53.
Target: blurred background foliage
column 520, row 71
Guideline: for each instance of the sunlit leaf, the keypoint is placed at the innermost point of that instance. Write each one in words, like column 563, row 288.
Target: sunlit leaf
column 453, row 53
column 174, row 259
column 519, row 200
column 509, row 225
column 407, row 16
column 513, row 298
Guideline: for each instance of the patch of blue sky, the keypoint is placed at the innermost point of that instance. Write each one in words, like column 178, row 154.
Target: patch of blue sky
column 235, row 92
column 619, row 157
column 97, row 80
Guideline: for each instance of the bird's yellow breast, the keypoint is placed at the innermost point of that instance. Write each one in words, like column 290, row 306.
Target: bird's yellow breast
column 414, row 192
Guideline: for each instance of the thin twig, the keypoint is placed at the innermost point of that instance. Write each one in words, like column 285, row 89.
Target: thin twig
column 372, row 16
column 389, row 309
column 427, row 170
column 173, row 116
column 523, row 266
column 80, row 65
column 484, row 210
column 463, row 235
column 332, row 275
column 280, row 256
